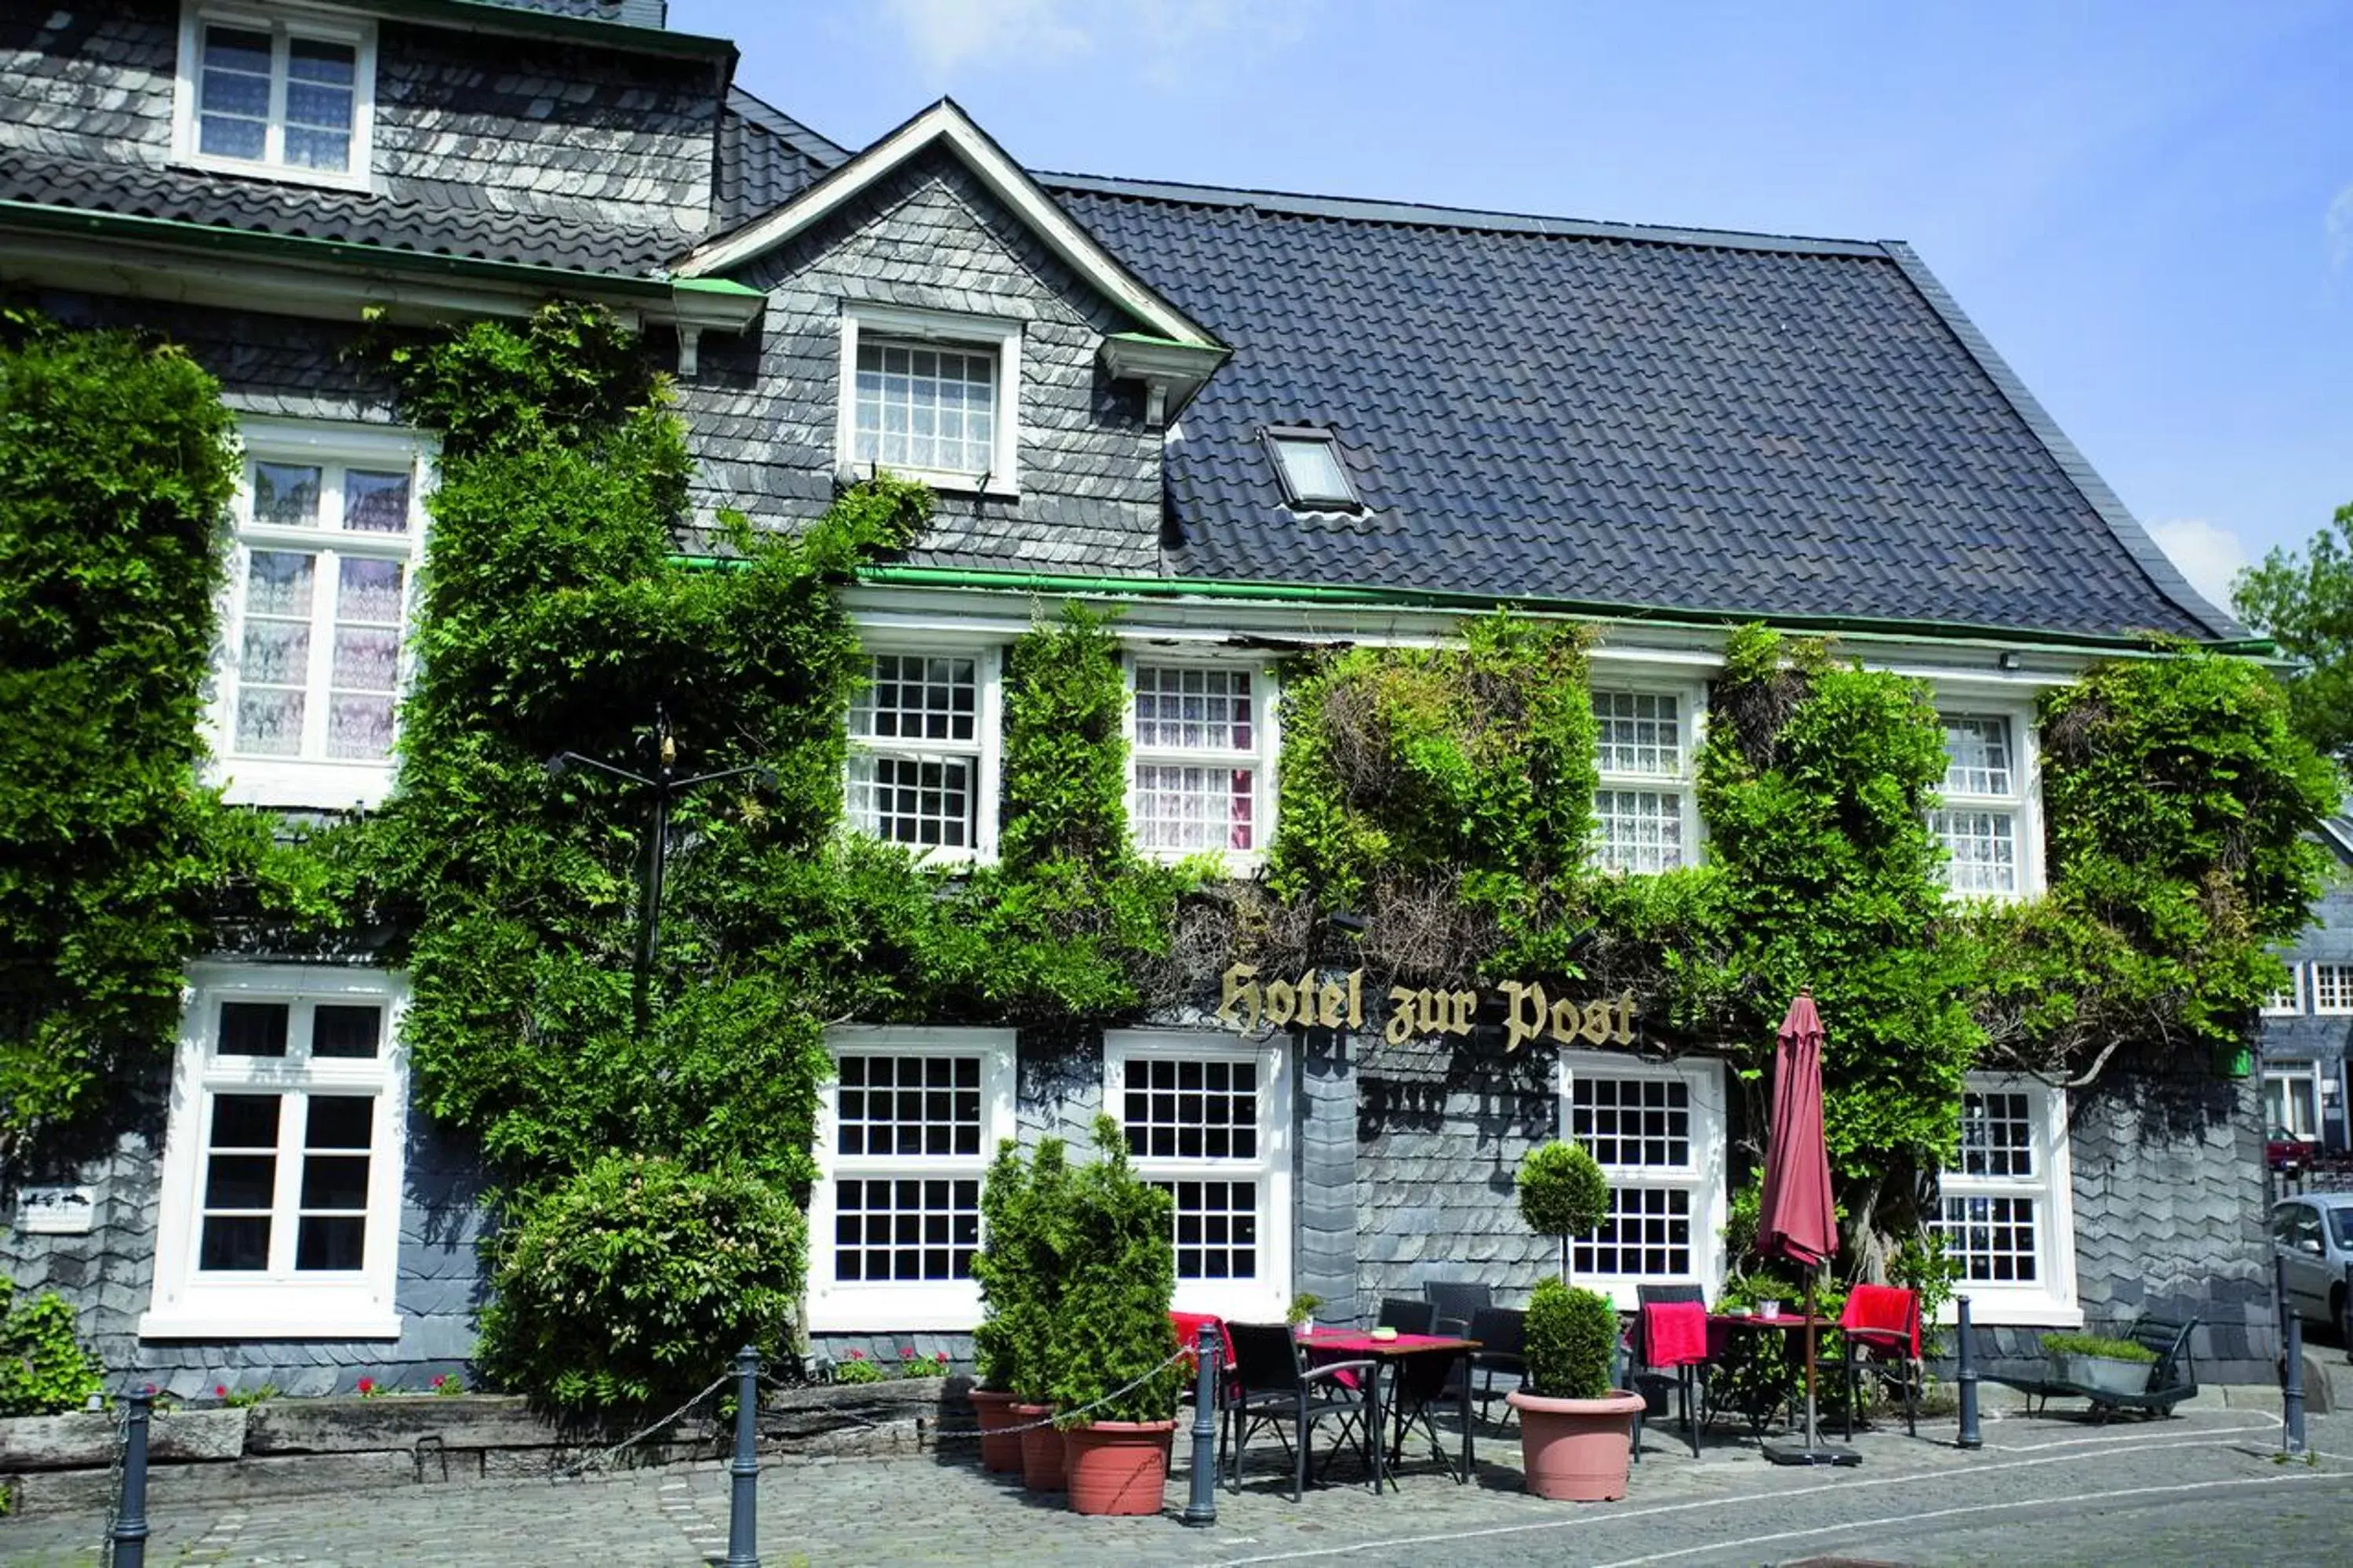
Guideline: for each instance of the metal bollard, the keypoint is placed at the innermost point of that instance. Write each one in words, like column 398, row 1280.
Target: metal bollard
column 744, row 1496
column 130, row 1535
column 1966, row 1380
column 2292, row 1389
column 1201, row 1506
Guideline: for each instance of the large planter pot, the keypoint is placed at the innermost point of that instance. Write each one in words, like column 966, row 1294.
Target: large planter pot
column 1118, row 1466
column 2107, row 1373
column 1041, row 1449
column 1576, row 1450
column 1000, row 1449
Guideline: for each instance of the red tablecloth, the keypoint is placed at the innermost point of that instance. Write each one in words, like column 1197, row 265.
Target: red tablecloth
column 1357, row 1342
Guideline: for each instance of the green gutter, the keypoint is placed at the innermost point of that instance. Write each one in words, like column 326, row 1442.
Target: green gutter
column 343, row 253
column 1423, row 598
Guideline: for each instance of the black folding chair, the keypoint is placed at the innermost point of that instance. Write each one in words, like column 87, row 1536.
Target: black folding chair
column 1407, row 1315
column 1271, row 1391
column 1456, row 1301
column 1421, row 1385
column 1644, row 1379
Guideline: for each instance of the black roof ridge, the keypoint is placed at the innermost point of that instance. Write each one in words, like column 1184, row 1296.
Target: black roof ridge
column 1425, row 214
column 2145, row 551
column 812, row 144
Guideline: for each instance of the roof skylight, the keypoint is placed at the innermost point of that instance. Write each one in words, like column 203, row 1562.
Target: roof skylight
column 1308, row 462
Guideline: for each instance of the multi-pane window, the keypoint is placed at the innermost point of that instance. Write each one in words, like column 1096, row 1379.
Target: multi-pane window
column 1978, row 820
column 925, row 408
column 1198, row 759
column 2332, row 987
column 1202, row 1123
column 1996, row 1210
column 1657, row 1133
column 918, row 739
column 907, row 1130
column 293, row 99
column 2288, row 1001
column 282, row 1170
column 327, row 544
column 2291, row 1105
column 1641, row 807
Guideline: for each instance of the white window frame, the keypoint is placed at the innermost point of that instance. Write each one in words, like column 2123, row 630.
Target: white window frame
column 1266, row 1298
column 1704, row 1179
column 281, row 22
column 2050, row 1301
column 945, row 330
column 2302, row 1075
column 311, row 778
column 2024, row 806
column 837, row 1307
column 189, row 1305
column 1262, row 758
column 2287, row 1003
column 2342, row 975
column 1691, row 713
column 987, row 743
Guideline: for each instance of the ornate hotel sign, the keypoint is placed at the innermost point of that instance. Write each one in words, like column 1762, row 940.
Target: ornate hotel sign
column 1314, row 1000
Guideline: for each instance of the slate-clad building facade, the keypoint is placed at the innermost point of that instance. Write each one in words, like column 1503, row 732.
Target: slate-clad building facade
column 1249, row 419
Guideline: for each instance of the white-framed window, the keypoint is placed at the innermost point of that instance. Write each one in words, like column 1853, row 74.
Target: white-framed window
column 2332, row 987
column 924, row 746
column 2291, row 1102
column 930, row 396
column 1658, row 1131
column 281, row 91
column 2288, row 1001
column 1985, row 816
column 904, row 1136
column 1207, row 1119
column 2006, row 1204
column 330, row 523
column 1645, row 809
column 1200, row 748
column 282, row 1159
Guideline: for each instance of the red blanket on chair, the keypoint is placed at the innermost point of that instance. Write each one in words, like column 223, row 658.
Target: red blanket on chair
column 1674, row 1333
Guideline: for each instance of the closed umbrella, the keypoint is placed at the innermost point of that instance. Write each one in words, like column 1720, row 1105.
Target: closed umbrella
column 1797, row 1221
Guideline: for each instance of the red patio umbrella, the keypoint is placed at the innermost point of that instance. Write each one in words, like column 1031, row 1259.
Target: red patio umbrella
column 1797, row 1221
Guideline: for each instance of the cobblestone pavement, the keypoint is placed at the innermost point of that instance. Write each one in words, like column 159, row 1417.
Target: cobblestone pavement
column 2202, row 1489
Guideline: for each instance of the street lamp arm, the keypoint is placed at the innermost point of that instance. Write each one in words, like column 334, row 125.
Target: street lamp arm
column 677, row 784
column 564, row 761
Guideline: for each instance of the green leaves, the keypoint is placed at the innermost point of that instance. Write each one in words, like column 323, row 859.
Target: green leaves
column 2304, row 602
column 1562, row 1190
column 1571, row 1337
column 45, row 1369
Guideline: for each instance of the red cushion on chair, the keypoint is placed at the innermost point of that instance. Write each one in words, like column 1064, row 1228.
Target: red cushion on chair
column 1885, row 1317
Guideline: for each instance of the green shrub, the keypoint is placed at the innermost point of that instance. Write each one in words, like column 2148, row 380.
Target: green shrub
column 2097, row 1345
column 1020, row 1268
column 859, row 1367
column 1120, row 1275
column 1572, row 1336
column 45, row 1369
column 1562, row 1192
column 632, row 1284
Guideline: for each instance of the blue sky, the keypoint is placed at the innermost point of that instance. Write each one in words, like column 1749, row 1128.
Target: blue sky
column 2148, row 207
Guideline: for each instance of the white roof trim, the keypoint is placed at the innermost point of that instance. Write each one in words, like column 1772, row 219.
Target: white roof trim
column 945, row 122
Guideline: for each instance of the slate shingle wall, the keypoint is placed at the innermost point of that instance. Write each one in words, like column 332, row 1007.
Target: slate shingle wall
column 761, row 411
column 282, row 367
column 108, row 1275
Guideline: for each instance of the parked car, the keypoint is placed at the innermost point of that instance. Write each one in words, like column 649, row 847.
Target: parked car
column 2314, row 1236
column 2284, row 1151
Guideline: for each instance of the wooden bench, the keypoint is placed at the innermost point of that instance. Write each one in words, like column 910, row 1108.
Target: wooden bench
column 2172, row 1377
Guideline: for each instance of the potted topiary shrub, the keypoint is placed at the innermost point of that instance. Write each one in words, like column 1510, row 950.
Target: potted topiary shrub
column 1562, row 1193
column 1575, row 1430
column 1004, row 1208
column 1019, row 1270
column 2090, row 1360
column 1112, row 1372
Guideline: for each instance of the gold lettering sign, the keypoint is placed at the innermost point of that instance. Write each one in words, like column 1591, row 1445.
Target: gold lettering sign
column 1245, row 1005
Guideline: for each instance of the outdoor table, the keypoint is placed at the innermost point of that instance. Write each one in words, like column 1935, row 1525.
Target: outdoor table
column 1725, row 1333
column 1350, row 1345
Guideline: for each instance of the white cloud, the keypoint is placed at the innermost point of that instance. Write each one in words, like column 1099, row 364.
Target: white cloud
column 2209, row 554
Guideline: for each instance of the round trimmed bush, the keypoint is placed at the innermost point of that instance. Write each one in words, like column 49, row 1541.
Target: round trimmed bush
column 634, row 1283
column 1562, row 1190
column 1572, row 1336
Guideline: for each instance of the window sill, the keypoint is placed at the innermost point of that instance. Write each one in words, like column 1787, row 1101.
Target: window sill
column 2024, row 1311
column 999, row 487
column 191, row 1323
column 950, row 1308
column 284, row 174
column 302, row 782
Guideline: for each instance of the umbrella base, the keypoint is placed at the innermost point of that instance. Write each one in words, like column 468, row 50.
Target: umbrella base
column 1798, row 1454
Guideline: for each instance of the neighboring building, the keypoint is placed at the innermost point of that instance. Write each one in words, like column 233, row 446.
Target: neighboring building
column 2305, row 1027
column 1250, row 419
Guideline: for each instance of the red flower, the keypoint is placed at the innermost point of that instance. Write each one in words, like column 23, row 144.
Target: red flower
column 440, row 1378
column 857, row 1355
column 220, row 1391
column 906, row 1352
column 941, row 1357
column 367, row 1385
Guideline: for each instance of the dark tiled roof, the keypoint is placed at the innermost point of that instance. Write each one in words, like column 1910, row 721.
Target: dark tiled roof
column 765, row 158
column 449, row 224
column 1555, row 410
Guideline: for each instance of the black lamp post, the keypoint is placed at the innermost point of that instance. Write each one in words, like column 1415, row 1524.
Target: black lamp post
column 664, row 784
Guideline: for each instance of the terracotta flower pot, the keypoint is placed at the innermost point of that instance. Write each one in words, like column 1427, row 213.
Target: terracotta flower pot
column 1118, row 1466
column 1001, row 1450
column 1576, row 1450
column 1041, row 1449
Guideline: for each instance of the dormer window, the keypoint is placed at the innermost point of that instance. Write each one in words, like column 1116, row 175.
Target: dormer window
column 1308, row 462
column 930, row 396
column 268, row 94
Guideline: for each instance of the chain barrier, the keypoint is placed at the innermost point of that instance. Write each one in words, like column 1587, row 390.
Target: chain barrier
column 597, row 1459
column 115, row 1480
column 1060, row 1416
